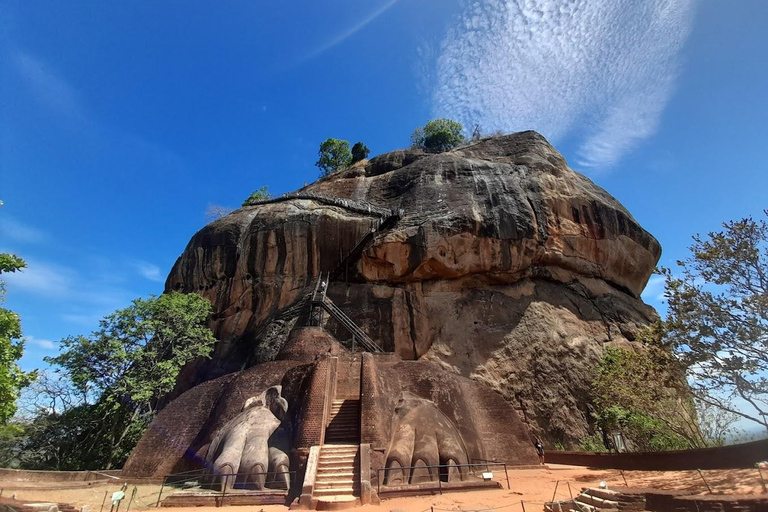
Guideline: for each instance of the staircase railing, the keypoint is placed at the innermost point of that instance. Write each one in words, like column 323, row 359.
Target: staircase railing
column 385, row 222
column 320, row 299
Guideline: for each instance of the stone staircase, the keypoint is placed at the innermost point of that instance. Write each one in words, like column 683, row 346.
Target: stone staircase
column 337, row 480
column 599, row 500
column 344, row 424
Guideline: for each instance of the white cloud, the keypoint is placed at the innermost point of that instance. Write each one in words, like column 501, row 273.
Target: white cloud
column 654, row 290
column 343, row 36
column 149, row 271
column 11, row 229
column 44, row 279
column 42, row 343
column 605, row 67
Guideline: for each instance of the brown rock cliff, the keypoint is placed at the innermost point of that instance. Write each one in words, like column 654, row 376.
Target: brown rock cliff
column 494, row 260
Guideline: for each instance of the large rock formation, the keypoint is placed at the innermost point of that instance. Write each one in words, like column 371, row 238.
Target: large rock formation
column 494, row 261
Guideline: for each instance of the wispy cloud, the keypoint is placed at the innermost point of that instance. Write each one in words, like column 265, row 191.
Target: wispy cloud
column 41, row 343
column 343, row 36
column 92, row 290
column 65, row 105
column 44, row 279
column 48, row 87
column 13, row 230
column 148, row 271
column 606, row 67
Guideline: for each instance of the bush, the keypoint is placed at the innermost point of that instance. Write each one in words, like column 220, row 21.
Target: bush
column 260, row 194
column 438, row 135
column 360, row 152
column 334, row 156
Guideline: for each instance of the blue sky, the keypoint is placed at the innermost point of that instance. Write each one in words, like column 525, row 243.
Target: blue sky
column 121, row 122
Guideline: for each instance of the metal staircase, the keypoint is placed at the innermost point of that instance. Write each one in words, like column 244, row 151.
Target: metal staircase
column 320, row 300
column 363, row 245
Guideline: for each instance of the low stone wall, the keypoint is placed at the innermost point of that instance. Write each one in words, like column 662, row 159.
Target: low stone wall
column 28, row 475
column 724, row 457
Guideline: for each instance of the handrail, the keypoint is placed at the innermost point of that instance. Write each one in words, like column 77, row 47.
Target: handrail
column 327, row 304
column 204, row 473
column 385, row 222
column 438, row 466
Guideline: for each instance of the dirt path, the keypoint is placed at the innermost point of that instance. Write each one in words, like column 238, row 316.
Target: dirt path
column 531, row 486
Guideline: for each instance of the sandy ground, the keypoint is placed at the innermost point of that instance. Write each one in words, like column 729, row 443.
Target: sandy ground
column 530, row 486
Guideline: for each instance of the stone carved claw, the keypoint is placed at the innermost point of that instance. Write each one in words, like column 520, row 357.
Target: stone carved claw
column 252, row 444
column 423, row 436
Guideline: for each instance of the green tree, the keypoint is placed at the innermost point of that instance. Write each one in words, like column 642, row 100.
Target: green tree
column 717, row 323
column 438, row 135
column 258, row 195
column 360, row 152
column 643, row 393
column 12, row 378
column 334, row 156
column 123, row 369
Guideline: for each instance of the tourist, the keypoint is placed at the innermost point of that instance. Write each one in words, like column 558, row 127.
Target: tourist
column 540, row 450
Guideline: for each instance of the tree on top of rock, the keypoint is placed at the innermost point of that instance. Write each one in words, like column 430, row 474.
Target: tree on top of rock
column 334, row 156
column 258, row 195
column 438, row 135
column 360, row 152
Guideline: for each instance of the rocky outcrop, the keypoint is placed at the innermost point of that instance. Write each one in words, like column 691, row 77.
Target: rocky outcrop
column 495, row 261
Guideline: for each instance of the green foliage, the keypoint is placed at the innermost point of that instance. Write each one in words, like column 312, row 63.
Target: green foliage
column 717, row 323
column 593, row 443
column 360, row 152
column 260, row 194
column 438, row 135
column 334, row 156
column 120, row 372
column 12, row 378
column 643, row 394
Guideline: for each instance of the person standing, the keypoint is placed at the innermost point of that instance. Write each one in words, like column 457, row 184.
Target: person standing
column 539, row 450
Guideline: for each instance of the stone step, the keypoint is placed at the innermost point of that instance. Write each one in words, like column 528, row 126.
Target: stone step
column 347, row 458
column 335, row 467
column 334, row 462
column 605, row 494
column 583, row 507
column 339, row 438
column 336, row 473
column 341, row 455
column 342, row 431
column 334, row 491
column 334, row 484
column 338, row 449
column 597, row 502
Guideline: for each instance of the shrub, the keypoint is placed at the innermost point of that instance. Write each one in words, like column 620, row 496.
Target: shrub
column 260, row 194
column 438, row 135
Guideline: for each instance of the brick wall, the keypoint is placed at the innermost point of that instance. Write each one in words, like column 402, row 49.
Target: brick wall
column 348, row 376
column 310, row 431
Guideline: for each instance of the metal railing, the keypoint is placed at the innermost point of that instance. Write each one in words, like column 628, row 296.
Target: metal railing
column 445, row 467
column 219, row 484
column 320, row 299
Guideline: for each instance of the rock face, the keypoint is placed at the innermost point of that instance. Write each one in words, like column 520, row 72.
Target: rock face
column 495, row 261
